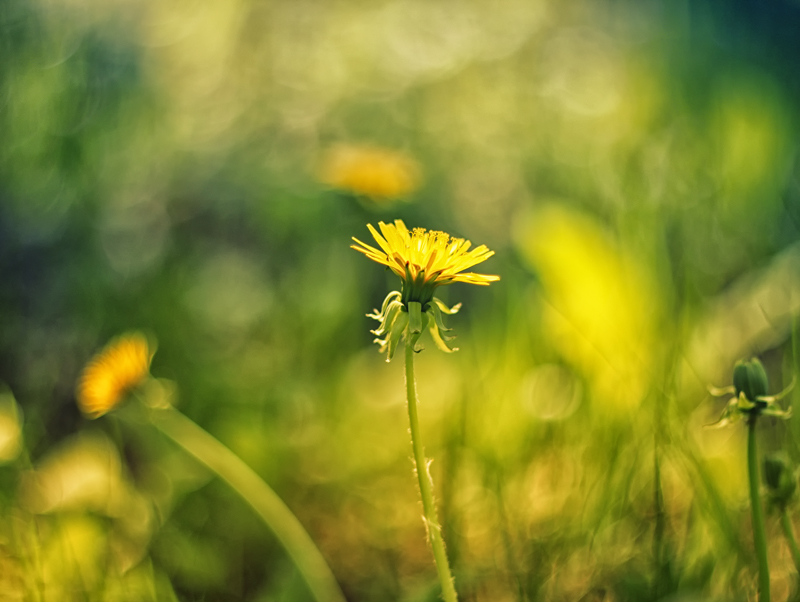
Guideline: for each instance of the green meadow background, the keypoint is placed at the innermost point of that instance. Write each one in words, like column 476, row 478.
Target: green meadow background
column 165, row 167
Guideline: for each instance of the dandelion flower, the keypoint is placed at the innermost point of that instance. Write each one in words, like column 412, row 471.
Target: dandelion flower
column 121, row 366
column 424, row 260
column 376, row 173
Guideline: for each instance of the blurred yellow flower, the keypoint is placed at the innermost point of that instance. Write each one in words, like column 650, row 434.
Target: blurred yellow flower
column 122, row 365
column 425, row 259
column 10, row 428
column 602, row 303
column 377, row 173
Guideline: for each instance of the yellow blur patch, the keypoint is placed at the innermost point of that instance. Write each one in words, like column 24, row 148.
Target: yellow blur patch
column 72, row 557
column 10, row 428
column 377, row 173
column 79, row 481
column 600, row 303
column 84, row 473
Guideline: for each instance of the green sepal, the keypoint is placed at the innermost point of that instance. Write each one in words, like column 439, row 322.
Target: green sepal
column 436, row 313
column 416, row 324
column 441, row 343
column 444, row 309
column 389, row 316
column 775, row 411
column 414, row 317
column 729, row 415
column 393, row 319
column 401, row 320
column 434, row 323
column 418, row 289
column 398, row 328
column 393, row 296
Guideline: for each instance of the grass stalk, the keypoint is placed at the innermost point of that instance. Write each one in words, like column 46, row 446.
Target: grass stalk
column 659, row 527
column 759, row 532
column 788, row 532
column 244, row 481
column 432, row 526
column 30, row 541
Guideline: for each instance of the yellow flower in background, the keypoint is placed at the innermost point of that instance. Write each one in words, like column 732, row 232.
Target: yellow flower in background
column 121, row 366
column 423, row 260
column 377, row 173
column 601, row 304
column 10, row 427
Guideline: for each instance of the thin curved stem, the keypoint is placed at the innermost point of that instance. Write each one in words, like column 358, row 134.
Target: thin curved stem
column 244, row 481
column 788, row 532
column 759, row 532
column 432, row 525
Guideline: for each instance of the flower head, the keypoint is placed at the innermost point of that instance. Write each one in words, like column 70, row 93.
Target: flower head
column 424, row 260
column 750, row 399
column 122, row 365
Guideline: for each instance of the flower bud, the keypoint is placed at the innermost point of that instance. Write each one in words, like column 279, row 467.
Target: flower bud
column 750, row 378
column 780, row 478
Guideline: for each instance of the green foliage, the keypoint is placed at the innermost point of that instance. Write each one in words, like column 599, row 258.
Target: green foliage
column 163, row 167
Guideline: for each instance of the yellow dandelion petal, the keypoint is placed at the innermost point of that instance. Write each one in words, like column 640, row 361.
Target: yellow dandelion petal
column 122, row 365
column 380, row 240
column 467, row 261
column 395, row 240
column 425, row 259
column 367, row 249
column 401, row 229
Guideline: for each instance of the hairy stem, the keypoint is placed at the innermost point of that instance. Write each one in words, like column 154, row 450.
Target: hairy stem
column 759, row 532
column 432, row 525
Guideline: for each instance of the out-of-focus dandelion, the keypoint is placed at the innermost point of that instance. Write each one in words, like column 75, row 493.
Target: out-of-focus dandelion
column 124, row 365
column 750, row 386
column 110, row 375
column 424, row 260
column 10, row 428
column 602, row 303
column 379, row 174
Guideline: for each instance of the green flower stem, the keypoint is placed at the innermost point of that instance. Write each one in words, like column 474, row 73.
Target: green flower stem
column 759, row 532
column 244, row 481
column 788, row 532
column 432, row 525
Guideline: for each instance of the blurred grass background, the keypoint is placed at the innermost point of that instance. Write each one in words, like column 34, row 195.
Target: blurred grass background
column 196, row 170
